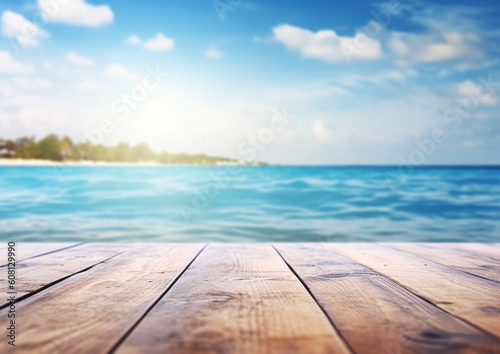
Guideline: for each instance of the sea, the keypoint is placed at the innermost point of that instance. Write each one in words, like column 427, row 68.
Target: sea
column 249, row 204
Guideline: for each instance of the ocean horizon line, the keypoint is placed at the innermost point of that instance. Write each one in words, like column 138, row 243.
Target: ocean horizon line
column 48, row 163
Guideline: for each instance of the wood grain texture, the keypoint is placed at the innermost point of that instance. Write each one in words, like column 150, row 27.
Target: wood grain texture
column 236, row 298
column 91, row 311
column 466, row 296
column 35, row 273
column 458, row 258
column 25, row 250
column 373, row 313
column 485, row 251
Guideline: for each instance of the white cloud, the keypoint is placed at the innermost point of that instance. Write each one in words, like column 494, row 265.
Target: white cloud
column 118, row 71
column 443, row 17
column 133, row 39
column 308, row 92
column 76, row 12
column 379, row 78
column 325, row 132
column 469, row 89
column 8, row 65
column 16, row 26
column 48, row 66
column 89, row 85
column 326, row 45
column 319, row 130
column 213, row 53
column 463, row 67
column 37, row 113
column 159, row 43
column 32, row 83
column 79, row 60
column 435, row 47
column 471, row 144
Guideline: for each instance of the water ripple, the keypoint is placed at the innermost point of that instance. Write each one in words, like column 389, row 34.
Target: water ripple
column 259, row 204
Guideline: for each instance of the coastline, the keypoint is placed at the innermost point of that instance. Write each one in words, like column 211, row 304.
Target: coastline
column 22, row 162
column 34, row 162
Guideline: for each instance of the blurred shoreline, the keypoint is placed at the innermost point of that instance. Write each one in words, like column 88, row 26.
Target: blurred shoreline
column 34, row 162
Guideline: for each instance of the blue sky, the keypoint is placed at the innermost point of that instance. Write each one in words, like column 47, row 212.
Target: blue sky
column 368, row 82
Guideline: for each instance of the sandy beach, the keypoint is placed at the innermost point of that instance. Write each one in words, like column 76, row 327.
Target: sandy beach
column 34, row 162
column 23, row 162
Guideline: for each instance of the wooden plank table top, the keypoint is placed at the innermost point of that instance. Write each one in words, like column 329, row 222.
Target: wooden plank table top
column 253, row 298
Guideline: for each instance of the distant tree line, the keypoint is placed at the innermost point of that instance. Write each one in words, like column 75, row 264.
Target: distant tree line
column 64, row 149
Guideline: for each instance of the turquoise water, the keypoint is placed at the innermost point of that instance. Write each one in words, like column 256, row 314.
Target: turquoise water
column 292, row 204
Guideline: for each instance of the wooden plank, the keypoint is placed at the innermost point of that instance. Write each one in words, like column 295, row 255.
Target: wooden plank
column 25, row 250
column 485, row 251
column 471, row 298
column 36, row 273
column 374, row 314
column 236, row 298
column 93, row 310
column 459, row 259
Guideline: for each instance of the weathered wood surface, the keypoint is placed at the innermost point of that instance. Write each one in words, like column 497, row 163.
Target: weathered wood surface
column 255, row 298
column 29, row 250
column 93, row 310
column 237, row 298
column 484, row 251
column 466, row 296
column 359, row 301
column 487, row 267
column 36, row 273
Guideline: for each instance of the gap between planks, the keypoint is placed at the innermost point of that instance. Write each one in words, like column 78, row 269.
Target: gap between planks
column 87, row 311
column 463, row 295
column 311, row 293
column 372, row 311
column 476, row 339
column 239, row 298
column 124, row 337
column 25, row 251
